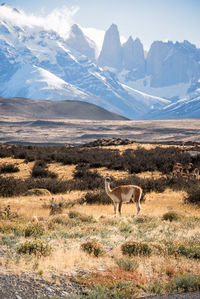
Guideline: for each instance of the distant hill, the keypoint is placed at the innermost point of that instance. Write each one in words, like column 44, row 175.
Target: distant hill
column 39, row 109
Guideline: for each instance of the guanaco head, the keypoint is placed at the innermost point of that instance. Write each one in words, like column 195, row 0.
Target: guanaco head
column 107, row 179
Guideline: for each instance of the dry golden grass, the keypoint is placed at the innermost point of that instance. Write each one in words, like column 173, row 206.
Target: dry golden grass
column 135, row 146
column 65, row 172
column 24, row 168
column 66, row 235
column 117, row 174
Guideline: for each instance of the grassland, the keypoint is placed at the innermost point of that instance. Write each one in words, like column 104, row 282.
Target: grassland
column 166, row 256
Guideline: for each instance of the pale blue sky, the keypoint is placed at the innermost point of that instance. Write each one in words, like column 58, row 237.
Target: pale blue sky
column 147, row 19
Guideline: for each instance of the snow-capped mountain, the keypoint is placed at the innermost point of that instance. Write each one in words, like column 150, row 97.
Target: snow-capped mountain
column 186, row 107
column 167, row 64
column 38, row 63
column 170, row 71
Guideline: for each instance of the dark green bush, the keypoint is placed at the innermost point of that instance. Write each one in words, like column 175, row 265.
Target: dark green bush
column 97, row 197
column 93, row 248
column 39, row 248
column 189, row 250
column 136, row 248
column 8, row 168
column 171, row 216
column 34, row 231
column 194, row 195
column 40, row 170
column 12, row 187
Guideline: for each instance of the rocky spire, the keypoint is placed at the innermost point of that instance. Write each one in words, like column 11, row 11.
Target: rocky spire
column 79, row 42
column 111, row 53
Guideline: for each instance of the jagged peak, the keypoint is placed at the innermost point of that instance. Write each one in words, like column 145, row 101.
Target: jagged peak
column 76, row 29
column 4, row 4
column 113, row 29
column 138, row 41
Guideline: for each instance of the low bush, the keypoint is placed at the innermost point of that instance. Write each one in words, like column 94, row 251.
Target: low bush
column 185, row 283
column 8, row 168
column 6, row 213
column 193, row 196
column 12, row 187
column 171, row 216
column 93, row 248
column 34, row 231
column 189, row 250
column 40, row 170
column 39, row 248
column 85, row 179
column 97, row 197
column 136, row 248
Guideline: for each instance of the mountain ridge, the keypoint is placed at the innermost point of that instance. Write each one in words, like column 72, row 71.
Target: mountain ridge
column 51, row 110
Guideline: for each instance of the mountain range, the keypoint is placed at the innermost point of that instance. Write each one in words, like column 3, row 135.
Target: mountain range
column 39, row 64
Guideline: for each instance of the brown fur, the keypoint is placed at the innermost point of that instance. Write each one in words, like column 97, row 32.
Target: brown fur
column 122, row 194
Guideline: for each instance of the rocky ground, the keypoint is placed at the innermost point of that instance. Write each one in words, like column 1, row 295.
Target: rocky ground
column 26, row 286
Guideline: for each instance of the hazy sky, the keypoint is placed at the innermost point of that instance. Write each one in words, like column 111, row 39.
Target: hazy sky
column 147, row 19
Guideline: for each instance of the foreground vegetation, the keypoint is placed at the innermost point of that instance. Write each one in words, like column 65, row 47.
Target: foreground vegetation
column 75, row 231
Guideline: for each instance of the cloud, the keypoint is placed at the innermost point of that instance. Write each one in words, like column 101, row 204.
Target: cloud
column 59, row 20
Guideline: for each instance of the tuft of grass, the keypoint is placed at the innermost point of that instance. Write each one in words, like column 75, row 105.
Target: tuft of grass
column 156, row 287
column 81, row 217
column 127, row 264
column 171, row 216
column 184, row 283
column 34, row 231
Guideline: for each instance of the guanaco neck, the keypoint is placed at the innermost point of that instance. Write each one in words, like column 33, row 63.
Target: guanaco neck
column 107, row 187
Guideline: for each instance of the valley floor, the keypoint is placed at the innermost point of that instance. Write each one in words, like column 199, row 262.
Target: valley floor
column 81, row 131
column 168, row 260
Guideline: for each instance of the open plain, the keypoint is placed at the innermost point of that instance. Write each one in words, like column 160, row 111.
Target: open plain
column 81, row 131
column 60, row 237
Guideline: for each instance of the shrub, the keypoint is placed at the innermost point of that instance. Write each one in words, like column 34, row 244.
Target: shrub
column 34, row 231
column 53, row 185
column 97, row 197
column 39, row 248
column 7, row 213
column 12, row 187
column 93, row 248
column 185, row 283
column 171, row 216
column 81, row 217
column 189, row 250
column 127, row 264
column 8, row 168
column 193, row 196
column 136, row 248
column 40, row 171
column 84, row 179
